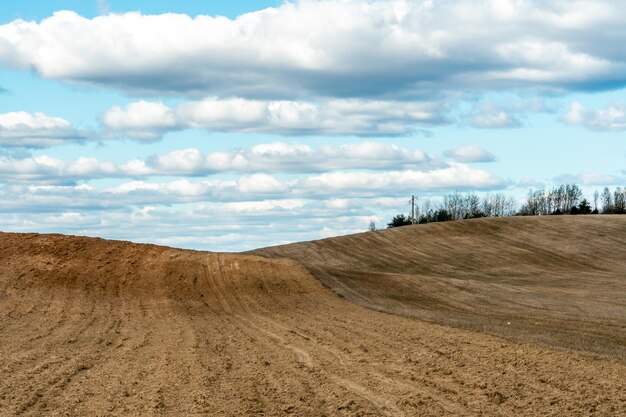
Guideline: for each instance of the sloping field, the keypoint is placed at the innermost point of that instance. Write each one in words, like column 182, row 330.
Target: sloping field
column 559, row 280
column 94, row 327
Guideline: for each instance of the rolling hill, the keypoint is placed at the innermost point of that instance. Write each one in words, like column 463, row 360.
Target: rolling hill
column 96, row 327
column 558, row 280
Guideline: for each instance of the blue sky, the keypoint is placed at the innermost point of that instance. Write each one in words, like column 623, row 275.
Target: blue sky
column 37, row 10
column 234, row 125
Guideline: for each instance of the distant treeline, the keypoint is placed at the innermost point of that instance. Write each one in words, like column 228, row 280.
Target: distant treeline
column 564, row 199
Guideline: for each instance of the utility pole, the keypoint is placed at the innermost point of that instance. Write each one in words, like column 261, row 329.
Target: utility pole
column 412, row 203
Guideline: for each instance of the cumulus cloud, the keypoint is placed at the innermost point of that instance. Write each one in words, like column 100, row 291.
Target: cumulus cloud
column 36, row 130
column 458, row 176
column 470, row 153
column 398, row 48
column 141, row 120
column 294, row 158
column 611, row 118
column 150, row 120
column 275, row 157
column 354, row 184
column 45, row 168
column 254, row 187
column 228, row 213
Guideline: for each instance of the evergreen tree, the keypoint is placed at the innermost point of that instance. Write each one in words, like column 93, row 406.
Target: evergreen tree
column 584, row 207
column 399, row 221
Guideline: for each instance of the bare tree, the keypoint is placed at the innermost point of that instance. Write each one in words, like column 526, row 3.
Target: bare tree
column 573, row 194
column 607, row 201
column 535, row 203
column 453, row 203
column 509, row 206
column 619, row 200
column 563, row 199
column 472, row 206
column 559, row 198
column 426, row 211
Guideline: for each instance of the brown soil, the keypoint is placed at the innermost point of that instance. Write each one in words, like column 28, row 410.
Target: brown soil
column 559, row 281
column 94, row 327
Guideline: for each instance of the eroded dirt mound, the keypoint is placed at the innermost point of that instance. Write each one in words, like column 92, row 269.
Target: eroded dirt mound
column 94, row 327
column 557, row 280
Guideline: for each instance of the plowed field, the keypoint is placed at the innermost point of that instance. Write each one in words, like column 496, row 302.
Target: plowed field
column 95, row 327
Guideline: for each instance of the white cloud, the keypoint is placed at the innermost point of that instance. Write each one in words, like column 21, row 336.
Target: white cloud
column 254, row 187
column 45, row 168
column 333, row 48
column 275, row 157
column 141, row 120
column 611, row 118
column 470, row 153
column 263, row 207
column 597, row 178
column 327, row 185
column 295, row 158
column 576, row 114
column 495, row 118
column 36, row 130
column 592, row 178
column 212, row 226
column 227, row 213
column 456, row 176
column 149, row 120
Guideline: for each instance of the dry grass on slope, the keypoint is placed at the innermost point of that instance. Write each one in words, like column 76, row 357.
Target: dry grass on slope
column 559, row 280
